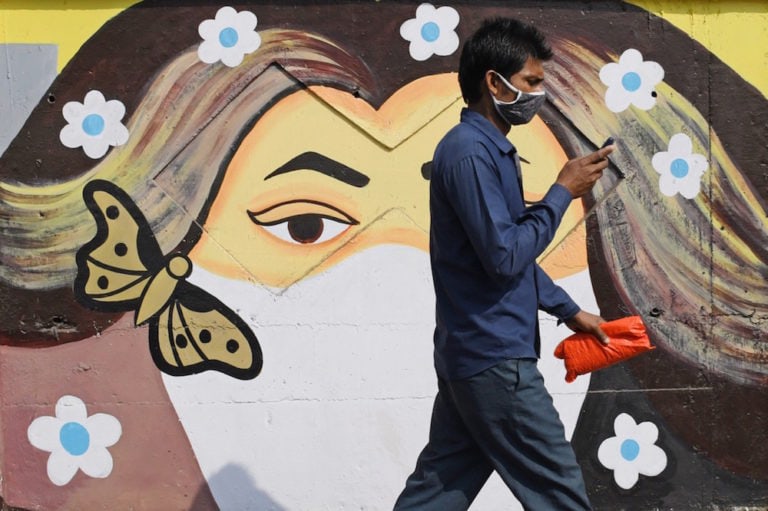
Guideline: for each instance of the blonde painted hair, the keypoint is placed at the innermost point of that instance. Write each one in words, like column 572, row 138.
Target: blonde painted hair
column 182, row 135
column 695, row 269
column 699, row 263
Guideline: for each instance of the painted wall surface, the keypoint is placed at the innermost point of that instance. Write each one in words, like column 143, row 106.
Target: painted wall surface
column 214, row 278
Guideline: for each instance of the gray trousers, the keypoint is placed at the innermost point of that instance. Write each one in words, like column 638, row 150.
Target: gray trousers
column 502, row 419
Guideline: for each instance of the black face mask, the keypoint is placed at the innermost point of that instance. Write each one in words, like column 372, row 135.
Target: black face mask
column 523, row 108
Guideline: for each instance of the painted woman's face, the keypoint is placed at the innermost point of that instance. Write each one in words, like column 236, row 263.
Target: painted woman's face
column 318, row 239
column 323, row 175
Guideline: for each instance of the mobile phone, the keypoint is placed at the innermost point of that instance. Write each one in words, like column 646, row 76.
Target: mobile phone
column 610, row 141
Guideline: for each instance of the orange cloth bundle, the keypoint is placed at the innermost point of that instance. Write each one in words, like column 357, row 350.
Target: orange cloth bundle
column 583, row 353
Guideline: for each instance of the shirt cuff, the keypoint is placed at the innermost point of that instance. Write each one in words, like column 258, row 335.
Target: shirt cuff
column 559, row 196
column 573, row 309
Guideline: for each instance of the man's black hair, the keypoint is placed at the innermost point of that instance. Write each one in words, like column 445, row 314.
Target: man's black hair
column 500, row 44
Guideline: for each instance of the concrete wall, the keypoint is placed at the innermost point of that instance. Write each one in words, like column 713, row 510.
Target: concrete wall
column 214, row 248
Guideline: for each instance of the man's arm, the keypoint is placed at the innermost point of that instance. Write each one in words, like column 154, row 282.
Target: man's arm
column 554, row 300
column 505, row 245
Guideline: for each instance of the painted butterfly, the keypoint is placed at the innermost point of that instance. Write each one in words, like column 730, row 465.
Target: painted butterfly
column 123, row 268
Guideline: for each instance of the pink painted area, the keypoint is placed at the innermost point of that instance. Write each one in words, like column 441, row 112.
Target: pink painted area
column 154, row 467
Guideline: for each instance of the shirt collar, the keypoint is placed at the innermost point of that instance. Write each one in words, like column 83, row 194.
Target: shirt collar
column 488, row 129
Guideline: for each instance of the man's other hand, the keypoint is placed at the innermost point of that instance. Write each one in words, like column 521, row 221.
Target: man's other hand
column 589, row 323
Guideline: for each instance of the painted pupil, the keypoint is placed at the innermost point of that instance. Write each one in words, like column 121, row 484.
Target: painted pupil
column 113, row 212
column 679, row 168
column 305, row 228
column 630, row 449
column 631, row 81
column 232, row 346
column 121, row 249
column 181, row 341
column 102, row 282
column 74, row 438
column 228, row 37
column 93, row 125
column 205, row 336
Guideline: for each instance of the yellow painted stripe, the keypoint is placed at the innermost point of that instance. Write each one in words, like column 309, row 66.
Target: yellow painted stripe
column 55, row 22
column 734, row 30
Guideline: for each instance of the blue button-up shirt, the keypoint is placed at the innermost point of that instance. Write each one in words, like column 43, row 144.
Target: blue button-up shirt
column 484, row 243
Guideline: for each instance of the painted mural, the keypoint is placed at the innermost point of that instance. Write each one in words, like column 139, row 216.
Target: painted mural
column 214, row 255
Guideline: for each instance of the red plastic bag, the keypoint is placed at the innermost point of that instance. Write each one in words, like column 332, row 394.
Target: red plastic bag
column 583, row 353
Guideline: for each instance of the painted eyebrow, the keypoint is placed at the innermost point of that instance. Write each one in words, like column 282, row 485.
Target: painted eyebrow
column 317, row 162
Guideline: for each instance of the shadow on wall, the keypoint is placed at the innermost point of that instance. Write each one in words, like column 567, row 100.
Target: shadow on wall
column 234, row 487
column 234, row 490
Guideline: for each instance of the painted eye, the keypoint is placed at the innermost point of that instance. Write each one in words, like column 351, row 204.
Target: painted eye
column 307, row 229
column 316, row 223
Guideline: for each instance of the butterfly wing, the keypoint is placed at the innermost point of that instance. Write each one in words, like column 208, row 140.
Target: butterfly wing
column 114, row 268
column 123, row 268
column 197, row 332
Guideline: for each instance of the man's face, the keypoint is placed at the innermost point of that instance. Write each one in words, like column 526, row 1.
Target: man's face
column 529, row 79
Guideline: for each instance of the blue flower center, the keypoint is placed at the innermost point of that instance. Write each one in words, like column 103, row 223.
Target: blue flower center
column 74, row 438
column 679, row 168
column 93, row 124
column 630, row 449
column 430, row 31
column 631, row 81
column 228, row 37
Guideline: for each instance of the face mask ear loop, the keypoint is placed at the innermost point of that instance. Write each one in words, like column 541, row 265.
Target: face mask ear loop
column 510, row 87
column 516, row 90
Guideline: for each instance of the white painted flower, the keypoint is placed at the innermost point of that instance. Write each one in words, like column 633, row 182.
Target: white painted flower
column 75, row 440
column 631, row 81
column 680, row 168
column 431, row 32
column 632, row 451
column 95, row 124
column 229, row 37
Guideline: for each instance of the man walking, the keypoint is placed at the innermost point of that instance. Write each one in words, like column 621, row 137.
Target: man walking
column 492, row 411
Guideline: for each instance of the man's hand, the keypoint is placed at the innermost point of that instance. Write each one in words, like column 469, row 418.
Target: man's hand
column 579, row 175
column 589, row 323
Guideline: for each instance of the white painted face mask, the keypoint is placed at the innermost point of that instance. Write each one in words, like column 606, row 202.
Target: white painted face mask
column 341, row 409
column 523, row 108
column 344, row 396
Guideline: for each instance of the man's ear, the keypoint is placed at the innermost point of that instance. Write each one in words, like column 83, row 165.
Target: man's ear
column 492, row 83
